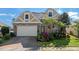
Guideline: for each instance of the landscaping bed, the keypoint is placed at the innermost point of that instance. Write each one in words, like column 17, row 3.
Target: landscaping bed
column 6, row 35
column 64, row 42
column 2, row 41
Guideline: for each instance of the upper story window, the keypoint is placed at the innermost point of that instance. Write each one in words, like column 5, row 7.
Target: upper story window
column 50, row 14
column 26, row 16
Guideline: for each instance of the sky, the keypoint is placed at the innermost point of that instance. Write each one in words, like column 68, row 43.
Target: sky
column 7, row 14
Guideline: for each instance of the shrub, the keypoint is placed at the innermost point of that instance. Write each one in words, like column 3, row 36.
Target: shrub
column 68, row 36
column 0, row 36
column 6, row 37
column 51, row 36
column 56, row 35
column 39, row 37
column 4, row 30
column 12, row 34
column 1, row 41
column 45, row 36
column 71, row 33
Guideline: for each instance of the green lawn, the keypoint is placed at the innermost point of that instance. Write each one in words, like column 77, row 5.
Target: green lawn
column 72, row 41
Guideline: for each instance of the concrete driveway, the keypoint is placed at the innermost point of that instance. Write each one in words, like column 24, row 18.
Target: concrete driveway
column 20, row 44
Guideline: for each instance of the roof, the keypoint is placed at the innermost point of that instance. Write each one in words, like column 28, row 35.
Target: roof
column 41, row 14
column 38, row 15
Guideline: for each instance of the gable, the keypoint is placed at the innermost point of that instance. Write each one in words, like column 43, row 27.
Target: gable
column 55, row 15
column 19, row 18
column 36, row 17
column 33, row 18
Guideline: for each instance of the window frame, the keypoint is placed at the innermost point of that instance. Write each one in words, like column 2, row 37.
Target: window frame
column 50, row 14
column 26, row 16
column 26, row 19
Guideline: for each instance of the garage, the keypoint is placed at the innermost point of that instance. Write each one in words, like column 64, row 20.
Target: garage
column 27, row 30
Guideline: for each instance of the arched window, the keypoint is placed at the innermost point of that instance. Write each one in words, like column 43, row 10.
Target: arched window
column 50, row 14
column 26, row 17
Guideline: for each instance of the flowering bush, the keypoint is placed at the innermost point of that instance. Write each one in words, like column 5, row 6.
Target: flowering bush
column 45, row 35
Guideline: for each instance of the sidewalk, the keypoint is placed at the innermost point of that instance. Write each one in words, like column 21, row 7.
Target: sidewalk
column 40, row 49
column 59, row 49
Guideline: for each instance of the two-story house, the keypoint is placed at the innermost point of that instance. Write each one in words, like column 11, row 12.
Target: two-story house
column 27, row 23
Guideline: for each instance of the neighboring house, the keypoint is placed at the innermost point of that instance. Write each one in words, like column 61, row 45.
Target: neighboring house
column 27, row 23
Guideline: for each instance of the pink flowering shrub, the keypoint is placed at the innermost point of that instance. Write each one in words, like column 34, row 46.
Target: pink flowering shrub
column 45, row 35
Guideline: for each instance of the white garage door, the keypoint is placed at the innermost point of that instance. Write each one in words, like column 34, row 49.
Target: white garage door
column 27, row 30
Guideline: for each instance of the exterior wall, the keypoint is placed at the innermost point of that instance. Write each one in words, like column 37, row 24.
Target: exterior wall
column 15, row 29
column 54, row 14
column 21, row 18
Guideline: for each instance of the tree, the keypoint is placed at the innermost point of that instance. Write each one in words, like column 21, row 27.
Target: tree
column 50, row 21
column 53, row 21
column 66, row 20
column 4, row 30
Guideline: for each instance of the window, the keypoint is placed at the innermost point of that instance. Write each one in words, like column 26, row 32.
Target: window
column 26, row 17
column 50, row 14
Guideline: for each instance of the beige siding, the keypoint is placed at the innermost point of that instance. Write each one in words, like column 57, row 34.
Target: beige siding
column 55, row 15
column 21, row 18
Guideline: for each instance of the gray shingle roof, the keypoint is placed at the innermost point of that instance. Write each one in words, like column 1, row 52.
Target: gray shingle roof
column 38, row 15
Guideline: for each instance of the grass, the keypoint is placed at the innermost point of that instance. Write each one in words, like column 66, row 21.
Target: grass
column 72, row 41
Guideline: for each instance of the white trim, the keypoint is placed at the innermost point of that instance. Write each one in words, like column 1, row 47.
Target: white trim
column 27, row 30
column 28, row 16
column 29, row 22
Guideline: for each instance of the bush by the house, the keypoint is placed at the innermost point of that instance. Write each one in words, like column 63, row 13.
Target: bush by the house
column 39, row 37
column 55, row 35
column 12, row 34
column 45, row 36
column 4, row 30
column 1, row 41
column 6, row 37
column 68, row 36
column 51, row 36
column 0, row 36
